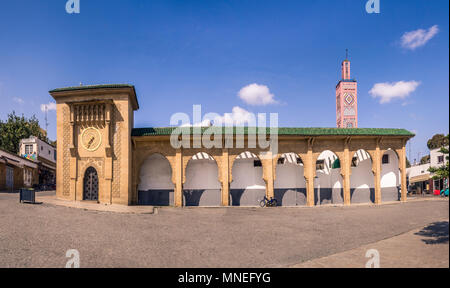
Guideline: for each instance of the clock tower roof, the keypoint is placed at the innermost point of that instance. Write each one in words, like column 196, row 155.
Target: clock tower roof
column 96, row 90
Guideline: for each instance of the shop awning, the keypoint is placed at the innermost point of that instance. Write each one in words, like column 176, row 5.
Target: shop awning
column 420, row 178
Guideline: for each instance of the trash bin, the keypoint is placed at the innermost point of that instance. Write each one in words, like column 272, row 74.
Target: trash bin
column 27, row 195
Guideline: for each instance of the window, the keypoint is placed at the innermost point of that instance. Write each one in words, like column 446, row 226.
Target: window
column 54, row 154
column 28, row 149
column 320, row 164
column 299, row 161
column 385, row 159
column 49, row 152
column 437, row 185
column 354, row 161
column 257, row 163
column 281, row 161
column 440, row 159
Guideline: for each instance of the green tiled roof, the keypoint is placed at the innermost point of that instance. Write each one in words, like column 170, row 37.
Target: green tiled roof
column 85, row 87
column 165, row 131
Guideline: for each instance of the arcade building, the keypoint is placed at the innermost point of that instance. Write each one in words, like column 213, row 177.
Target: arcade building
column 101, row 157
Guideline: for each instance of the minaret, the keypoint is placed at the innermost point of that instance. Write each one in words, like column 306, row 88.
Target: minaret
column 346, row 98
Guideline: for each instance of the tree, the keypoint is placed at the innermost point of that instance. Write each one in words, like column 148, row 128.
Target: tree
column 425, row 159
column 442, row 171
column 408, row 164
column 16, row 128
column 438, row 140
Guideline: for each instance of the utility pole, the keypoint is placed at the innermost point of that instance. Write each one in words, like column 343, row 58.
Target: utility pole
column 46, row 119
column 409, row 152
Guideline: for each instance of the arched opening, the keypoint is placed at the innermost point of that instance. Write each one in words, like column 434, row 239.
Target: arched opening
column 390, row 176
column 202, row 187
column 290, row 184
column 90, row 185
column 156, row 187
column 362, row 184
column 248, row 186
column 328, row 181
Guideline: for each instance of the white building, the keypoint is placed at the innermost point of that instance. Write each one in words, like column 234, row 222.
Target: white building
column 437, row 158
column 420, row 179
column 35, row 149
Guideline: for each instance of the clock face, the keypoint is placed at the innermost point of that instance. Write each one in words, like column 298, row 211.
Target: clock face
column 91, row 139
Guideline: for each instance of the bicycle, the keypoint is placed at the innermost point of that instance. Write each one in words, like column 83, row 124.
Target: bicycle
column 266, row 202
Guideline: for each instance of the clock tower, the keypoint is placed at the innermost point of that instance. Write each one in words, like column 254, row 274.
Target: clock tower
column 94, row 148
column 346, row 99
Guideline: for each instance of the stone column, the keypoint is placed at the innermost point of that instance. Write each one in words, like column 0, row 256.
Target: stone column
column 377, row 173
column 309, row 171
column 225, row 178
column 404, row 189
column 178, row 193
column 346, row 171
column 268, row 174
column 107, row 195
column 73, row 157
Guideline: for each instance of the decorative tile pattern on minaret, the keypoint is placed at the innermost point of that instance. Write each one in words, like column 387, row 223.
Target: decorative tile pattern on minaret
column 346, row 99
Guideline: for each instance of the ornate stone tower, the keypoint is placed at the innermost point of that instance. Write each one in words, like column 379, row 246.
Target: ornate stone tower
column 94, row 154
column 346, row 99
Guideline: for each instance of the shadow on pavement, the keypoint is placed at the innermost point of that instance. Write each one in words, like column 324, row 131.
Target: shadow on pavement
column 435, row 233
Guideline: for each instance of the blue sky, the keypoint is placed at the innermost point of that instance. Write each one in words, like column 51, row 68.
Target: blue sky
column 180, row 53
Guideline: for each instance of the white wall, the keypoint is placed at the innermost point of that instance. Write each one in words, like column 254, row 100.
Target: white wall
column 245, row 175
column 362, row 176
column 290, row 174
column 418, row 170
column 390, row 173
column 328, row 178
column 362, row 181
column 156, row 174
column 434, row 157
column 202, row 173
column 46, row 151
column 40, row 148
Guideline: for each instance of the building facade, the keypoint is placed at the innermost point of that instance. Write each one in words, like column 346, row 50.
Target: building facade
column 35, row 149
column 102, row 158
column 17, row 172
column 421, row 180
column 346, row 99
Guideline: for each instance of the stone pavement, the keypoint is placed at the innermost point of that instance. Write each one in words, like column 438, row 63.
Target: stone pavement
column 40, row 235
column 421, row 248
column 50, row 198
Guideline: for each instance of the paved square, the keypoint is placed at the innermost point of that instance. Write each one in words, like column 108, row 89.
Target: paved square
column 40, row 235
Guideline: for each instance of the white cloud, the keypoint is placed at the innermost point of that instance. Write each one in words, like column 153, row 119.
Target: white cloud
column 390, row 91
column 50, row 106
column 18, row 100
column 255, row 94
column 204, row 123
column 417, row 38
column 238, row 117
